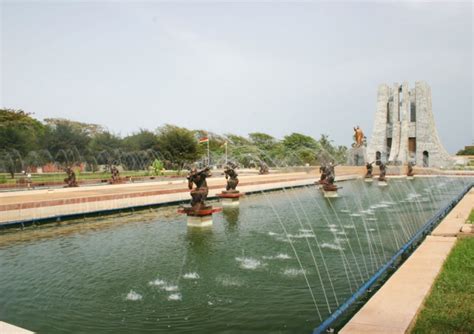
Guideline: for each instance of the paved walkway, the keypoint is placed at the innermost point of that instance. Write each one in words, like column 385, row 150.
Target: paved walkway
column 393, row 309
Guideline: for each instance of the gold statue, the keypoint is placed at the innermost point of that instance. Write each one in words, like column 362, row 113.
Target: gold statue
column 358, row 136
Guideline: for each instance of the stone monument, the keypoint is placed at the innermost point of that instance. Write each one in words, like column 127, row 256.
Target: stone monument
column 404, row 128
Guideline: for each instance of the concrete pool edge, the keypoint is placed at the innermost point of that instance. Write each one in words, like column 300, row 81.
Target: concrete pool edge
column 6, row 328
column 395, row 306
column 101, row 208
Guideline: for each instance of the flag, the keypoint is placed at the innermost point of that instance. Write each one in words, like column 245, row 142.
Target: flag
column 203, row 140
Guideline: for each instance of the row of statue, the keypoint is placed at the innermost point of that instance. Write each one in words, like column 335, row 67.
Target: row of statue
column 199, row 190
column 71, row 180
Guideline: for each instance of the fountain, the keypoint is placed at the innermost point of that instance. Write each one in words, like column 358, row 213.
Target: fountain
column 383, row 171
column 294, row 238
column 199, row 214
column 410, row 173
column 230, row 196
column 327, row 182
column 70, row 180
column 368, row 174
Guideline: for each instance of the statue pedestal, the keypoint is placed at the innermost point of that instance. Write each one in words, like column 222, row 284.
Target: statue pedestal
column 410, row 177
column 230, row 198
column 330, row 190
column 368, row 179
column 357, row 156
column 199, row 217
column 382, row 183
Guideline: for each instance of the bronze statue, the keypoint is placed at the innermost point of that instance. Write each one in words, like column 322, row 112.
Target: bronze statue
column 330, row 173
column 369, row 167
column 198, row 194
column 358, row 137
column 322, row 170
column 383, row 171
column 410, row 169
column 115, row 175
column 263, row 168
column 231, row 177
column 328, row 176
column 70, row 180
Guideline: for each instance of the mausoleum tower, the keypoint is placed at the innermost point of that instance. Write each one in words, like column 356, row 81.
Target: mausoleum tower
column 404, row 128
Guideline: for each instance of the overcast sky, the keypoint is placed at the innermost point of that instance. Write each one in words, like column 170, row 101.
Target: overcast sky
column 240, row 67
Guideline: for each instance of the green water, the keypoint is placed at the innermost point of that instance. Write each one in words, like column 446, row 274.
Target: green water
column 279, row 264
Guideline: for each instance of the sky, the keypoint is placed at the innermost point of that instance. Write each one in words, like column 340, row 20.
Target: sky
column 236, row 67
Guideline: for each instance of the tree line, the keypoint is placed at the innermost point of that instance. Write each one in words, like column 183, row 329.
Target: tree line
column 26, row 141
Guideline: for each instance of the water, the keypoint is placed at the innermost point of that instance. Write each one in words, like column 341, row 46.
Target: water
column 280, row 263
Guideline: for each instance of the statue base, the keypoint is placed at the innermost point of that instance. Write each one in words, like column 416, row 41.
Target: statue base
column 330, row 194
column 382, row 183
column 318, row 184
column 330, row 190
column 368, row 179
column 201, row 217
column 411, row 177
column 230, row 198
column 357, row 156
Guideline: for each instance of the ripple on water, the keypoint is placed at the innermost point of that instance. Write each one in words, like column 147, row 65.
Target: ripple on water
column 228, row 281
column 279, row 256
column 133, row 296
column 248, row 263
column 331, row 246
column 157, row 282
column 170, row 288
column 302, row 230
column 175, row 296
column 293, row 272
column 191, row 275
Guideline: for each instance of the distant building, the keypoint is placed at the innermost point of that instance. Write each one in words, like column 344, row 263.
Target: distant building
column 404, row 128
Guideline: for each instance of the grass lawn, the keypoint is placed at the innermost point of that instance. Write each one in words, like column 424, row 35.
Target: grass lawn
column 450, row 306
column 471, row 217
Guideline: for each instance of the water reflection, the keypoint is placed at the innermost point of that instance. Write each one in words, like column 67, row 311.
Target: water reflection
column 200, row 239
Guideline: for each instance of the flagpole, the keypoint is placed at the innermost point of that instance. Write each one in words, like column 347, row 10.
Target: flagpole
column 225, row 152
column 208, row 154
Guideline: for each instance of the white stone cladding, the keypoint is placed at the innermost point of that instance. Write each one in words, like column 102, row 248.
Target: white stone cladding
column 394, row 127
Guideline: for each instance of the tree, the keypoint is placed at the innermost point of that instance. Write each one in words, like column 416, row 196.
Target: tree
column 19, row 131
column 262, row 140
column 142, row 140
column 296, row 141
column 157, row 167
column 67, row 143
column 178, row 145
column 19, row 134
column 468, row 150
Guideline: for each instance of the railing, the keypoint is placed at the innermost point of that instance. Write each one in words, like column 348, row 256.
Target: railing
column 403, row 251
